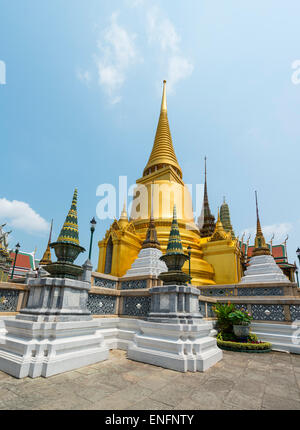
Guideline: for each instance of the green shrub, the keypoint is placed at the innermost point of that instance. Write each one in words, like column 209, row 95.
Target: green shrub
column 224, row 323
column 240, row 346
column 240, row 317
column 231, row 337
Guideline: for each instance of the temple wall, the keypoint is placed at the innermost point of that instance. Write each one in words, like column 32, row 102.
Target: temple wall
column 112, row 297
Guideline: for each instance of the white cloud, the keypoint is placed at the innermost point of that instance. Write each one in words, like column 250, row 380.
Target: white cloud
column 280, row 232
column 134, row 3
column 20, row 215
column 118, row 53
column 162, row 32
column 179, row 68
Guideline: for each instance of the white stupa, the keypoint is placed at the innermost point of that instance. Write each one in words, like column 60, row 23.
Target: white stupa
column 262, row 266
column 148, row 260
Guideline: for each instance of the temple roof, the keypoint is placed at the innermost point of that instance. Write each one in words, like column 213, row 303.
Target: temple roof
column 163, row 151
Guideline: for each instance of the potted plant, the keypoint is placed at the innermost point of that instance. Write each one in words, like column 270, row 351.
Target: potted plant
column 241, row 323
column 222, row 312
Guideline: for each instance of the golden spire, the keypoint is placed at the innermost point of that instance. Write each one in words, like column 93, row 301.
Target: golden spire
column 124, row 212
column 124, row 217
column 162, row 152
column 151, row 240
column 261, row 248
column 47, row 254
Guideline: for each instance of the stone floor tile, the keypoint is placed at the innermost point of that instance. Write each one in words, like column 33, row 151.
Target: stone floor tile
column 87, row 370
column 250, row 387
column 132, row 395
column 288, row 391
column 172, row 394
column 240, row 381
column 150, row 404
column 242, row 401
column 153, row 383
column 96, row 393
column 218, row 384
column 281, row 379
column 195, row 380
column 256, row 374
column 273, row 402
column 205, row 400
column 7, row 395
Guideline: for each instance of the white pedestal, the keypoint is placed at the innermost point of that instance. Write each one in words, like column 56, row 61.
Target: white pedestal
column 181, row 347
column 48, row 348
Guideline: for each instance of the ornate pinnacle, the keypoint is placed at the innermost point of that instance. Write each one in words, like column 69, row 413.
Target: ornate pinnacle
column 209, row 220
column 261, row 248
column 163, row 153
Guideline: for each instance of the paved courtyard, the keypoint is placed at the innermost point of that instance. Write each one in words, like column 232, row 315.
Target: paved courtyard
column 239, row 381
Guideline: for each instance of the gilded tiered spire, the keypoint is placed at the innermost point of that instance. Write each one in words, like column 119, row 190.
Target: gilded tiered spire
column 219, row 233
column 225, row 219
column 69, row 232
column 209, row 220
column 124, row 212
column 163, row 153
column 123, row 221
column 151, row 240
column 261, row 248
column 46, row 259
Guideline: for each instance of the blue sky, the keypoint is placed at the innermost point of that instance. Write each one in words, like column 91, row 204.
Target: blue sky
column 82, row 97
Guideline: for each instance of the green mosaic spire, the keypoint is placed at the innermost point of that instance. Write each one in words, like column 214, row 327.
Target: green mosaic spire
column 69, row 232
column 174, row 244
column 225, row 219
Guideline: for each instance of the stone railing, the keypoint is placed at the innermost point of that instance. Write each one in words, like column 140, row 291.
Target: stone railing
column 113, row 297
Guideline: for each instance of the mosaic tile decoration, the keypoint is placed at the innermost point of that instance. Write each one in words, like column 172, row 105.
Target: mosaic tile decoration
column 100, row 304
column 217, row 292
column 210, row 312
column 105, row 283
column 295, row 312
column 134, row 285
column 202, row 308
column 241, row 307
column 137, row 306
column 274, row 312
column 273, row 291
column 10, row 300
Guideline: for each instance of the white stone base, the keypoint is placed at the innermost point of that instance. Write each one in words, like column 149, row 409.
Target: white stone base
column 48, row 348
column 283, row 337
column 263, row 268
column 147, row 263
column 181, row 347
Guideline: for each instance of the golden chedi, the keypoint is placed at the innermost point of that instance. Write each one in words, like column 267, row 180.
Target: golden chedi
column 162, row 185
column 163, row 175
